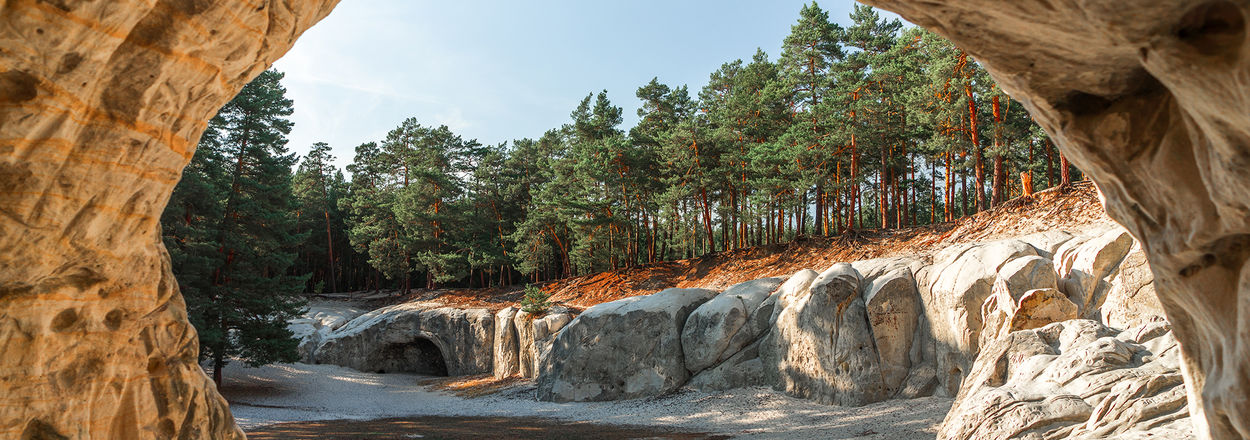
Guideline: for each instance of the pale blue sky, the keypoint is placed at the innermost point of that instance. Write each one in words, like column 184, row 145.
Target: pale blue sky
column 502, row 70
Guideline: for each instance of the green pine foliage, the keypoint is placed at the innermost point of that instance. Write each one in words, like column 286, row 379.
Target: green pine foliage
column 865, row 126
column 535, row 301
column 230, row 228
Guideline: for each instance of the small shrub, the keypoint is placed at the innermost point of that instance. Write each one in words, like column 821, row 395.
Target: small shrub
column 535, row 302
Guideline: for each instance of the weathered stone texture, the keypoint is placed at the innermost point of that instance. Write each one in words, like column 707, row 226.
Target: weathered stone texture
column 714, row 331
column 622, row 349
column 1149, row 98
column 101, row 106
column 953, row 290
column 464, row 337
column 507, row 349
column 1075, row 379
column 821, row 346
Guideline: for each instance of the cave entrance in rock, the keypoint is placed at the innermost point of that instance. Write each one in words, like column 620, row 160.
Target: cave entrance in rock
column 421, row 356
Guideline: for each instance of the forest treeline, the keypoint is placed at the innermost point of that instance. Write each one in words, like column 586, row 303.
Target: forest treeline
column 867, row 126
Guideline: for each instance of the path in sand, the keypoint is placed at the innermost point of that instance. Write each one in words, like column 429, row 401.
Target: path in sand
column 300, row 392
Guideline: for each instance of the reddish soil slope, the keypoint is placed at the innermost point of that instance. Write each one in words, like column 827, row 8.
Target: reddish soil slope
column 1076, row 208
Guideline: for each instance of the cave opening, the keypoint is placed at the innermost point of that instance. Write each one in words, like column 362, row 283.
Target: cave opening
column 421, row 356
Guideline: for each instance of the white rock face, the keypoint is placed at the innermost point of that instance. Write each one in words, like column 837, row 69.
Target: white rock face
column 894, row 314
column 544, row 333
column 621, row 349
column 400, row 337
column 711, row 333
column 527, row 357
column 954, row 288
column 1015, row 279
column 1131, row 300
column 1075, row 379
column 321, row 318
column 1047, row 242
column 821, row 346
column 743, row 369
column 1024, row 274
column 794, row 287
column 1085, row 269
column 506, row 350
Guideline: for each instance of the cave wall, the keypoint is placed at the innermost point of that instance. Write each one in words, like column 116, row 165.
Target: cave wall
column 101, row 106
column 1150, row 98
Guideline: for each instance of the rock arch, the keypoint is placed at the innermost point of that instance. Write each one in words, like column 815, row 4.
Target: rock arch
column 101, row 105
column 421, row 356
column 1150, row 98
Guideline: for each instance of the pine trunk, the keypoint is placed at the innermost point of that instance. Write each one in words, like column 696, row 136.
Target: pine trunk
column 977, row 149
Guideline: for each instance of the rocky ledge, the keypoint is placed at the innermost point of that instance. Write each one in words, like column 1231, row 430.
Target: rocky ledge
column 1055, row 334
column 1051, row 335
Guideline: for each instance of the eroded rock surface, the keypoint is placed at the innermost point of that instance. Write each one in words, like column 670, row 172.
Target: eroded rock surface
column 894, row 314
column 317, row 322
column 101, row 106
column 403, row 337
column 711, row 333
column 821, row 346
column 1075, row 379
column 1148, row 98
column 621, row 349
column 506, row 348
column 1132, row 300
column 954, row 288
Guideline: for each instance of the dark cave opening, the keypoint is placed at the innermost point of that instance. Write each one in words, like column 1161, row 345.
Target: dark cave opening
column 421, row 356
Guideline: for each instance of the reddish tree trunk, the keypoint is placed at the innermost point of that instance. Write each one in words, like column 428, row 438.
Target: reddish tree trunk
column 1065, row 172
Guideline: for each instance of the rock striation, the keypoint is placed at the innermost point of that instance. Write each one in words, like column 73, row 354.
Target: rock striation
column 101, row 106
column 1147, row 97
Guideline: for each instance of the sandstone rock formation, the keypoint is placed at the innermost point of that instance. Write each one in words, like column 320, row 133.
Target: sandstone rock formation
column 794, row 287
column 893, row 306
column 1147, row 97
column 743, row 369
column 414, row 337
column 543, row 334
column 821, row 346
column 1002, row 311
column 526, row 357
column 506, row 350
column 711, row 333
column 621, row 349
column 1076, row 379
column 954, row 288
column 1132, row 300
column 317, row 322
column 1085, row 267
column 101, row 105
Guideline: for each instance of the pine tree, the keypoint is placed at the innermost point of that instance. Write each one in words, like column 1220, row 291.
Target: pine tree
column 809, row 55
column 241, row 296
column 317, row 187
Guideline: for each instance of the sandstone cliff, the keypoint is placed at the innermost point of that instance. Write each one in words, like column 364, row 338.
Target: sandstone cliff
column 101, row 105
column 1148, row 98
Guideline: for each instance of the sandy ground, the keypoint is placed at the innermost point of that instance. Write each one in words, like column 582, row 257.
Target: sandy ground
column 300, row 392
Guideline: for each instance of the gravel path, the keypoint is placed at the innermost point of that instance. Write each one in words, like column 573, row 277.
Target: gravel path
column 300, row 392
